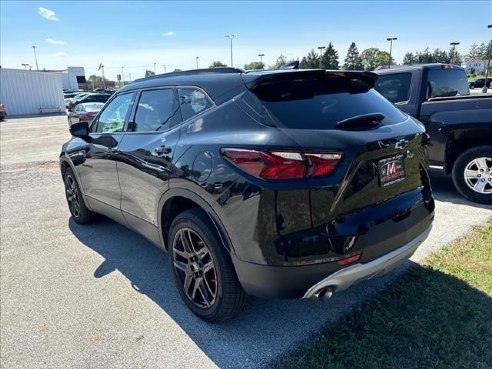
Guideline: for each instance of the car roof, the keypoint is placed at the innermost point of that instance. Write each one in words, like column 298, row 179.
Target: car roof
column 417, row 67
column 221, row 84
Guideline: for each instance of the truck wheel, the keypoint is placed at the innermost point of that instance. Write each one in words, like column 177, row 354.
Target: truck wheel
column 472, row 174
column 202, row 269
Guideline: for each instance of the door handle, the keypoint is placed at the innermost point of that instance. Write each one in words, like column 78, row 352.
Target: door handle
column 162, row 150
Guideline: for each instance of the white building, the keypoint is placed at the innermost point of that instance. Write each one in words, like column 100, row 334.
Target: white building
column 31, row 92
column 478, row 65
column 73, row 78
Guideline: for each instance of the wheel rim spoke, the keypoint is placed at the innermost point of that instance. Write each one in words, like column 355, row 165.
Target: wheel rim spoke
column 195, row 268
column 480, row 186
column 471, row 173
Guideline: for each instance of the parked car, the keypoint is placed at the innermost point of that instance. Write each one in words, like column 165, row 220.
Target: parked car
column 3, row 112
column 90, row 97
column 459, row 124
column 280, row 183
column 479, row 83
column 72, row 100
column 84, row 112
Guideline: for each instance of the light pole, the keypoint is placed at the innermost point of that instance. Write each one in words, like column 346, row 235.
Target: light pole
column 391, row 39
column 196, row 59
column 489, row 50
column 25, row 66
column 154, row 67
column 122, row 76
column 261, row 57
column 453, row 44
column 164, row 67
column 321, row 48
column 230, row 37
column 35, row 58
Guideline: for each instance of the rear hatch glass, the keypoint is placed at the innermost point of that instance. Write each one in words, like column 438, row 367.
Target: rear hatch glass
column 320, row 103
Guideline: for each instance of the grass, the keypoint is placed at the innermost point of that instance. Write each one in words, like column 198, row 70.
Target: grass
column 438, row 315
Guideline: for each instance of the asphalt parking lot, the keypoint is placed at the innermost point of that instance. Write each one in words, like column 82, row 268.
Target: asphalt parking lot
column 100, row 296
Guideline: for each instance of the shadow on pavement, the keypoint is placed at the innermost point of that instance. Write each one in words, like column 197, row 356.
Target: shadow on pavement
column 264, row 330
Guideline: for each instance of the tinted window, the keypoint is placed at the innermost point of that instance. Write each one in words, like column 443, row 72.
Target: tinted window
column 157, row 110
column 395, row 87
column 193, row 101
column 113, row 117
column 321, row 103
column 447, row 82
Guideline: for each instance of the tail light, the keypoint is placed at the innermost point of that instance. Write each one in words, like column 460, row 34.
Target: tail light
column 280, row 165
column 89, row 115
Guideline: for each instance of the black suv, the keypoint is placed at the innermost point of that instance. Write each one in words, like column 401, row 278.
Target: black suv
column 282, row 183
column 479, row 83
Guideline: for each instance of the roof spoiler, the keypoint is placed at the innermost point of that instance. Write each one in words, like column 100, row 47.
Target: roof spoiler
column 252, row 80
column 291, row 65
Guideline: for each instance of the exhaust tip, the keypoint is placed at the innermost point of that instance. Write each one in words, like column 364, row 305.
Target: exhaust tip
column 324, row 294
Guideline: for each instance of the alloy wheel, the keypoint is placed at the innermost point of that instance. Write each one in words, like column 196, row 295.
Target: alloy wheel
column 195, row 268
column 478, row 175
column 72, row 196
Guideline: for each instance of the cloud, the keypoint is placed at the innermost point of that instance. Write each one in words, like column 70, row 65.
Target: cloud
column 55, row 42
column 61, row 54
column 170, row 33
column 48, row 14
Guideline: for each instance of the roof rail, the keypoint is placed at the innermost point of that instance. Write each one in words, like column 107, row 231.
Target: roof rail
column 192, row 72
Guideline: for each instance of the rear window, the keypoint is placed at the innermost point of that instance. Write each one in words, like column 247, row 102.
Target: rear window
column 395, row 87
column 447, row 82
column 320, row 103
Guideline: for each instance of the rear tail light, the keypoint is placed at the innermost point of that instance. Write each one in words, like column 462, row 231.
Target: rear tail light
column 89, row 115
column 280, row 165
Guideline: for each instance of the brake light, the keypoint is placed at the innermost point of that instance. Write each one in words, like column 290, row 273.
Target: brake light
column 447, row 66
column 280, row 165
column 89, row 115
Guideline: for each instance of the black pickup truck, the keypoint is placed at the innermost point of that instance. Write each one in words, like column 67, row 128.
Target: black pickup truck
column 459, row 124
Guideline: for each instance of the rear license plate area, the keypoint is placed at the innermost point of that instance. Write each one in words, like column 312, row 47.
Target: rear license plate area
column 391, row 170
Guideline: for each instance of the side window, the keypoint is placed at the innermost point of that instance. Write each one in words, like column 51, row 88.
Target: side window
column 395, row 87
column 193, row 101
column 112, row 118
column 157, row 110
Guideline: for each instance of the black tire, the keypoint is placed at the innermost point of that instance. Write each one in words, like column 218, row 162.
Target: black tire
column 76, row 204
column 206, row 251
column 482, row 181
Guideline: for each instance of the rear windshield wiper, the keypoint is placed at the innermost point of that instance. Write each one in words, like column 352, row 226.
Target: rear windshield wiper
column 360, row 122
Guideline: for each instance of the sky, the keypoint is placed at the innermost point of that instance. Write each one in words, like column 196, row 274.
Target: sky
column 136, row 35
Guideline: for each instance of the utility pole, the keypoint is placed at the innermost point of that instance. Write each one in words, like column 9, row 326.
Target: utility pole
column 489, row 51
column 164, row 67
column 261, row 57
column 35, row 58
column 321, row 48
column 196, row 59
column 154, row 68
column 453, row 44
column 122, row 76
column 391, row 39
column 230, row 37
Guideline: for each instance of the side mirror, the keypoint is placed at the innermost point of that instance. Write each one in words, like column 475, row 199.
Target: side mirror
column 80, row 129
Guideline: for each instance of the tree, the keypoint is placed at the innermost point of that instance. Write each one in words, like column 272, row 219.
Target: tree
column 473, row 53
column 352, row 60
column 98, row 79
column 281, row 60
column 149, row 73
column 311, row 61
column 368, row 58
column 177, row 70
column 408, row 59
column 329, row 60
column 439, row 56
column 424, row 56
column 383, row 59
column 217, row 64
column 454, row 56
column 254, row 65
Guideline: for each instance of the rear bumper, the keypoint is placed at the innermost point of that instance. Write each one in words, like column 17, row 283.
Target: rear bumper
column 353, row 274
column 307, row 280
